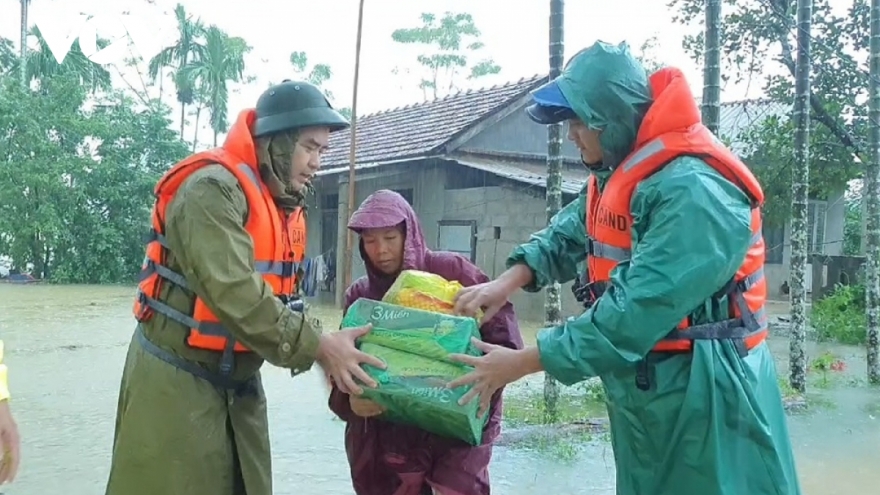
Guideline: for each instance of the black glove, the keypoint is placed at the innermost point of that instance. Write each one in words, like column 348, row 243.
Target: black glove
column 587, row 293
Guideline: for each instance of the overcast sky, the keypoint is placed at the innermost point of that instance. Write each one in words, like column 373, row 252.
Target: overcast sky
column 515, row 37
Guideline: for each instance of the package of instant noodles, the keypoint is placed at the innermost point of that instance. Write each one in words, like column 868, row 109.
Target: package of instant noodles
column 424, row 333
column 422, row 290
column 412, row 389
column 415, row 345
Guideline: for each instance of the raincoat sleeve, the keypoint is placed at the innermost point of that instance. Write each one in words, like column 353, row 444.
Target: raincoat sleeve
column 691, row 229
column 553, row 253
column 339, row 400
column 205, row 230
column 4, row 383
column 502, row 329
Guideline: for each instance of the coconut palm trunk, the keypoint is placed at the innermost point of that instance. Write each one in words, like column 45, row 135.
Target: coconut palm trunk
column 712, row 67
column 872, row 193
column 799, row 199
column 553, row 302
column 22, row 68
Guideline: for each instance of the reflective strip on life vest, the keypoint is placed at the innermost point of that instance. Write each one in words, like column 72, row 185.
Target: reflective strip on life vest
column 280, row 268
column 601, row 250
column 598, row 249
column 643, row 153
column 748, row 324
column 650, row 149
column 205, row 327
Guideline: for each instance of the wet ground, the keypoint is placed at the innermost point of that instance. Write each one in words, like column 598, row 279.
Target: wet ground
column 65, row 347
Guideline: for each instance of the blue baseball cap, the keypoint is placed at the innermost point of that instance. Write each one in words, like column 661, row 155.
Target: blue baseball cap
column 550, row 105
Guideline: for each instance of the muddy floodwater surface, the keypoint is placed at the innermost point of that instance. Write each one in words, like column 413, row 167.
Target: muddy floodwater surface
column 65, row 347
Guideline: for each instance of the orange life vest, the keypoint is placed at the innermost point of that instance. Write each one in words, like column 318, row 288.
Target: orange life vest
column 279, row 249
column 609, row 221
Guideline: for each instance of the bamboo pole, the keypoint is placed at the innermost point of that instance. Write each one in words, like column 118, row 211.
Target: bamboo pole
column 349, row 239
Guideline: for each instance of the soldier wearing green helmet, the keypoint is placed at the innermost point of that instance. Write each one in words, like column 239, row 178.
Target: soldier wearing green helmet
column 219, row 296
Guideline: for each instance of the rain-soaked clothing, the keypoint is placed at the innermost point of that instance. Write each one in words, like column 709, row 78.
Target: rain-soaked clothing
column 609, row 218
column 395, row 459
column 711, row 422
column 177, row 433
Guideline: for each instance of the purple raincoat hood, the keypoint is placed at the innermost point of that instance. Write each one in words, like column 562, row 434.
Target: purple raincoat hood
column 381, row 210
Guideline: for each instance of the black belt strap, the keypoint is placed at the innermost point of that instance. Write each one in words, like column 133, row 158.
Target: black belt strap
column 241, row 388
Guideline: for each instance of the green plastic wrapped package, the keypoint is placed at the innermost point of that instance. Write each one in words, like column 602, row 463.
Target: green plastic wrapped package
column 412, row 389
column 415, row 345
column 425, row 333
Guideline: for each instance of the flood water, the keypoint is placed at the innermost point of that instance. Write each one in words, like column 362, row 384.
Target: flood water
column 65, row 347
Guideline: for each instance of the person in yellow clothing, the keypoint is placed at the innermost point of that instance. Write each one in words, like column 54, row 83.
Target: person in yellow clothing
column 9, row 439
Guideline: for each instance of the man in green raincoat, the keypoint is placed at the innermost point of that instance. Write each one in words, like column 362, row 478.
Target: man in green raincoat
column 674, row 325
column 218, row 296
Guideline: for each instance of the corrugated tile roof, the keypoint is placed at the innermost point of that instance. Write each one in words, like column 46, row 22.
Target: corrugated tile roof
column 419, row 129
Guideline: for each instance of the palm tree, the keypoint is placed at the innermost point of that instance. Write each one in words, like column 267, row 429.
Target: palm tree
column 799, row 199
column 177, row 56
column 40, row 63
column 199, row 99
column 872, row 184
column 8, row 58
column 220, row 61
column 553, row 303
column 712, row 67
column 24, row 33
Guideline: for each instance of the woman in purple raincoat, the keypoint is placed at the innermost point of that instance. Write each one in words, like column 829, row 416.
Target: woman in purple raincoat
column 395, row 459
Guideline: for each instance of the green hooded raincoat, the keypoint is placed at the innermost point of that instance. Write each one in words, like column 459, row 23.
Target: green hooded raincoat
column 712, row 423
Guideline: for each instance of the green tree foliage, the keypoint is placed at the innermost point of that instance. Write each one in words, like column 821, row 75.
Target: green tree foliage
column 219, row 62
column 318, row 74
column 449, row 43
column 202, row 62
column 649, row 54
column 758, row 44
column 79, row 158
column 189, row 47
column 41, row 63
column 840, row 316
column 771, row 140
column 77, row 183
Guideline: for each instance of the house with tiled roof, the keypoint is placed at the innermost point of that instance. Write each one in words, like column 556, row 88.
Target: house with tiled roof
column 474, row 168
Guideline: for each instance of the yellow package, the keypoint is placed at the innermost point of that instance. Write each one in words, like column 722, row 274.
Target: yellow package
column 422, row 290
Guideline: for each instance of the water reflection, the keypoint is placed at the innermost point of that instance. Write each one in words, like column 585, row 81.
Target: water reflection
column 66, row 346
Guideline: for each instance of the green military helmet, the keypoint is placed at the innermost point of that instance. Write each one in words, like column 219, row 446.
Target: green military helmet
column 293, row 105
